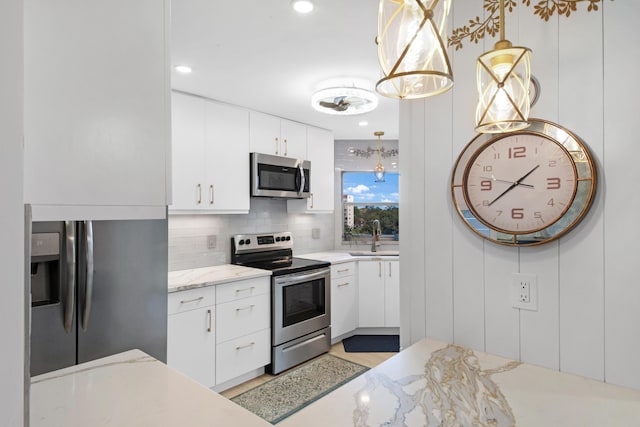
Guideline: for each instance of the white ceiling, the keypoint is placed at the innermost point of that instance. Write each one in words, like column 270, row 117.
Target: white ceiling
column 262, row 55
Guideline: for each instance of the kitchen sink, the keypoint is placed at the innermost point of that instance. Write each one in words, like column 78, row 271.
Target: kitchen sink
column 376, row 253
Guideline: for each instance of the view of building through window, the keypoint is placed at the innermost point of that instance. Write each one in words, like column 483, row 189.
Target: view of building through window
column 363, row 200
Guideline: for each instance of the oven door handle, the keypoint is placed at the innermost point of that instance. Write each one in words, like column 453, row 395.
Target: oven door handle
column 300, row 278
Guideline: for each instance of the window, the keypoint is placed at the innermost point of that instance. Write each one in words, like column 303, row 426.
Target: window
column 363, row 200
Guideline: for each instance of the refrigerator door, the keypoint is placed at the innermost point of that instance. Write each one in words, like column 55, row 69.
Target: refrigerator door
column 128, row 306
column 52, row 268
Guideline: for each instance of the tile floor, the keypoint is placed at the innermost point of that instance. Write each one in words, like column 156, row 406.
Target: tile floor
column 366, row 359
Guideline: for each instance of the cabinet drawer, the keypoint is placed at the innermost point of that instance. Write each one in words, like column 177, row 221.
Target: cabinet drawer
column 242, row 355
column 237, row 318
column 178, row 302
column 243, row 289
column 342, row 270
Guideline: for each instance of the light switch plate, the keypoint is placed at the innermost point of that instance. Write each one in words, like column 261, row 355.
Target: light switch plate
column 524, row 291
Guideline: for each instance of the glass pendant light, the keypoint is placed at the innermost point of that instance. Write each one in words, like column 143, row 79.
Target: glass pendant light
column 503, row 79
column 379, row 170
column 411, row 50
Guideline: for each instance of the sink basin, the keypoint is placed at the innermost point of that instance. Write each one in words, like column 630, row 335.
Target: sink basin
column 376, row 253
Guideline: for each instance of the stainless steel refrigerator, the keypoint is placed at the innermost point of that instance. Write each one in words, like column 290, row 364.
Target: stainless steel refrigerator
column 97, row 288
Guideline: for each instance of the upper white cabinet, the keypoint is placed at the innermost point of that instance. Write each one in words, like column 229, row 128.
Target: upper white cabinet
column 210, row 156
column 320, row 147
column 96, row 108
column 276, row 136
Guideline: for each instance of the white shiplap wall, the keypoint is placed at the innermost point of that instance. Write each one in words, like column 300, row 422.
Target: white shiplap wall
column 455, row 283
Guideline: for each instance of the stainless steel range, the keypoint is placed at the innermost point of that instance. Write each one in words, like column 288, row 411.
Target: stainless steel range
column 300, row 297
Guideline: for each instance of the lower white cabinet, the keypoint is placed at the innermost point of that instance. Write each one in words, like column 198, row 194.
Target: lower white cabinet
column 218, row 333
column 191, row 340
column 343, row 299
column 378, row 294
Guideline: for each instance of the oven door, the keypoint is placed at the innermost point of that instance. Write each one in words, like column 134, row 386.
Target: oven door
column 300, row 304
column 277, row 176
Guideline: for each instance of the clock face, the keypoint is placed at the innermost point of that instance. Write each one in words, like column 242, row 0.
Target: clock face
column 520, row 183
column 525, row 187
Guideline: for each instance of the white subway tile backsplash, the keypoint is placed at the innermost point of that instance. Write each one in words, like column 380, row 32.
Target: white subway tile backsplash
column 188, row 233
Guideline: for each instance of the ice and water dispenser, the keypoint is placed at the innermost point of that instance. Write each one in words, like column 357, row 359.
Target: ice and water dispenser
column 45, row 268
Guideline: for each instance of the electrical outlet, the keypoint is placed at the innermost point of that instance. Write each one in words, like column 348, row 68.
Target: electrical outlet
column 315, row 233
column 524, row 291
column 212, row 240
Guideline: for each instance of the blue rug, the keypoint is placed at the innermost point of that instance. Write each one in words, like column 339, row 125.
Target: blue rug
column 372, row 344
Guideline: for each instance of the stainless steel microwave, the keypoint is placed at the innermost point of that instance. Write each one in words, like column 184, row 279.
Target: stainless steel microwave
column 277, row 176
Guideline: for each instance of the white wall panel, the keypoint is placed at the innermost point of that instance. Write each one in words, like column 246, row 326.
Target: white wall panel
column 539, row 330
column 581, row 252
column 468, row 268
column 622, row 199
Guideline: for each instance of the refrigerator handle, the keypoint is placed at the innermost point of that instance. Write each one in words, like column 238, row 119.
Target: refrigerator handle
column 88, row 235
column 70, row 237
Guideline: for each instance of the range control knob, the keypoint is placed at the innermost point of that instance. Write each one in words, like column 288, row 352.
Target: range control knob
column 278, row 239
column 288, row 238
column 240, row 242
column 247, row 242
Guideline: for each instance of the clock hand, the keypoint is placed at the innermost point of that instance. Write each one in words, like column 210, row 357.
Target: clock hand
column 504, row 180
column 514, row 185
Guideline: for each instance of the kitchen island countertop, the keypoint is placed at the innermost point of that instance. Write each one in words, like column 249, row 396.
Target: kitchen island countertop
column 183, row 280
column 129, row 389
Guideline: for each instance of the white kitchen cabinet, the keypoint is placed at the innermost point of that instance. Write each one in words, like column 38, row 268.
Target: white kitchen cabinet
column 243, row 327
column 343, row 299
column 320, row 148
column 276, row 136
column 191, row 334
column 210, row 156
column 378, row 294
column 96, row 109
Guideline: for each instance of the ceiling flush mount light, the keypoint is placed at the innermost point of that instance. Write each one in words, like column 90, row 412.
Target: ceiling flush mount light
column 302, row 6
column 344, row 101
column 411, row 50
column 379, row 170
column 183, row 69
column 503, row 79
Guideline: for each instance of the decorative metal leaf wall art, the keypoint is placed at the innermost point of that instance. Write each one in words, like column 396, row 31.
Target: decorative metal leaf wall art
column 476, row 29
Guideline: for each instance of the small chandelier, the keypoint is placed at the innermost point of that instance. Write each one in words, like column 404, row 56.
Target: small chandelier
column 411, row 51
column 503, row 79
column 379, row 170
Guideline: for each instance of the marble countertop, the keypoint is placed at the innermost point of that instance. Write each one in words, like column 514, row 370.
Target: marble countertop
column 434, row 383
column 342, row 256
column 129, row 389
column 209, row 276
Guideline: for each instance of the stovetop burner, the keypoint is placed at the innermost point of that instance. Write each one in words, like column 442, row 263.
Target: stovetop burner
column 270, row 251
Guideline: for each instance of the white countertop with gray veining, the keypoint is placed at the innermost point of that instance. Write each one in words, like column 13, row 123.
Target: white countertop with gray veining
column 183, row 280
column 434, row 383
column 343, row 255
column 130, row 389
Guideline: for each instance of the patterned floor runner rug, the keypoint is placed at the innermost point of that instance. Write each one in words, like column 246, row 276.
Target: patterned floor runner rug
column 300, row 386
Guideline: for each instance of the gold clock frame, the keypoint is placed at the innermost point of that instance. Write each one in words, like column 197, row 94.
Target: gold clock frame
column 583, row 164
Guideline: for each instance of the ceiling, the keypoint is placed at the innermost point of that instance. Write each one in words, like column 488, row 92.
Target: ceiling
column 262, row 55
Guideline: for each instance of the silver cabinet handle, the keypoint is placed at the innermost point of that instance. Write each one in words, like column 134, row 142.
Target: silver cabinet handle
column 343, row 270
column 209, row 316
column 343, row 284
column 246, row 308
column 245, row 289
column 211, row 194
column 379, row 269
column 88, row 291
column 286, row 147
column 276, row 145
column 199, row 187
column 389, row 269
column 311, row 194
column 192, row 300
column 70, row 237
column 245, row 346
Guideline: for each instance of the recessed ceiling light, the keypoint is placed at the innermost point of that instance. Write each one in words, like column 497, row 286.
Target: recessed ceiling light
column 302, row 6
column 183, row 69
column 363, row 123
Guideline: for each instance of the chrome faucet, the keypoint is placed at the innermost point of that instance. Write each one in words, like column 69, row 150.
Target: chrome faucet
column 376, row 232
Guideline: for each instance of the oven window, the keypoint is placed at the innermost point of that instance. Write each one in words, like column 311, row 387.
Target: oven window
column 303, row 301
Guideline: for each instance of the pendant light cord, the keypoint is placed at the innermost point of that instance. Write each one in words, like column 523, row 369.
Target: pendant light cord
column 501, row 19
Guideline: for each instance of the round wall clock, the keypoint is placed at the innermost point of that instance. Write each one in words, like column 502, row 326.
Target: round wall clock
column 526, row 187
